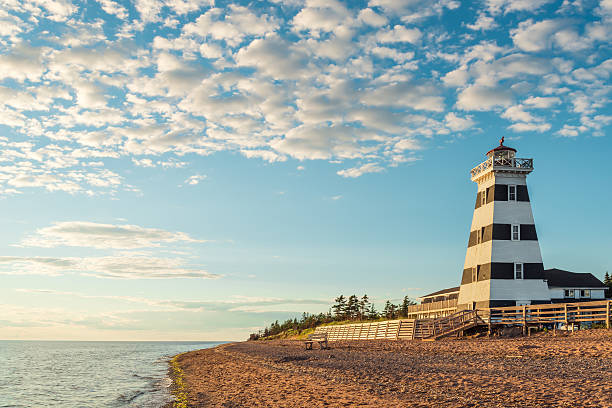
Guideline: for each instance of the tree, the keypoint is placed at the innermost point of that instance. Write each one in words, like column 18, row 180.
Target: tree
column 363, row 306
column 352, row 307
column 608, row 282
column 404, row 308
column 340, row 307
column 390, row 310
column 372, row 313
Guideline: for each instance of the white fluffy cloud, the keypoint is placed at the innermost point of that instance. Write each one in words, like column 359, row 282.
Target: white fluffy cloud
column 478, row 97
column 360, row 170
column 399, row 34
column 116, row 267
column 97, row 235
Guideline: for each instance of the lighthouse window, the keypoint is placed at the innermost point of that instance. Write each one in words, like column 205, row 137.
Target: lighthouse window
column 512, row 193
column 518, row 271
column 516, row 232
column 483, row 197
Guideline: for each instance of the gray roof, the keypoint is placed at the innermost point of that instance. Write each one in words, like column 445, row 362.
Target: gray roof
column 565, row 279
column 441, row 292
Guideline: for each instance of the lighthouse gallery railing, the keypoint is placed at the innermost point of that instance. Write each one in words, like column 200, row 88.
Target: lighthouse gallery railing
column 515, row 162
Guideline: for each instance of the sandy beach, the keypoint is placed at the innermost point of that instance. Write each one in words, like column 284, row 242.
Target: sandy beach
column 573, row 370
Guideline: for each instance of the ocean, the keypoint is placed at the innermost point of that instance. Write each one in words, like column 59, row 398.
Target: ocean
column 87, row 374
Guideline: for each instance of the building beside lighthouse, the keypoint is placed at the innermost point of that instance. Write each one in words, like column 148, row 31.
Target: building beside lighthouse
column 503, row 264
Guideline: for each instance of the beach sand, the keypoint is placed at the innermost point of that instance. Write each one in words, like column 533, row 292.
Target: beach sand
column 573, row 370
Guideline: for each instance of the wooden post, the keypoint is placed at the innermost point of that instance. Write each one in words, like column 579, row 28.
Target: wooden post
column 608, row 314
column 524, row 320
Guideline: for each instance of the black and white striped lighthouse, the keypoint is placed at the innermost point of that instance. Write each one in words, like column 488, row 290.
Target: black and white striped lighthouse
column 503, row 264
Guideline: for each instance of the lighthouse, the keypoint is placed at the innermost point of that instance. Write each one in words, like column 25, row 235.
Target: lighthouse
column 503, row 264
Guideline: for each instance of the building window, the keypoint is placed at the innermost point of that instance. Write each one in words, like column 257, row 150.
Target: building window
column 569, row 293
column 518, row 271
column 474, row 274
column 512, row 193
column 480, row 235
column 483, row 197
column 585, row 293
column 516, row 232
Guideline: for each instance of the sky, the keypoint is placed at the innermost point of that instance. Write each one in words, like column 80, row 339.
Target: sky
column 195, row 170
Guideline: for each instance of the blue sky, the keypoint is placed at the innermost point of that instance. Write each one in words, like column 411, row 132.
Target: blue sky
column 176, row 169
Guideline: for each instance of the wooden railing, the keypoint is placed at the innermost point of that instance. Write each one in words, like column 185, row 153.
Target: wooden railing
column 437, row 309
column 567, row 313
column 450, row 324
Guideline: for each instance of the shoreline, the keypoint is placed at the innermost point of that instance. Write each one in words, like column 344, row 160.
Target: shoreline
column 543, row 370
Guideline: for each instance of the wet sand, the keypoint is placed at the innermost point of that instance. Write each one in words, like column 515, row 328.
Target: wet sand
column 573, row 370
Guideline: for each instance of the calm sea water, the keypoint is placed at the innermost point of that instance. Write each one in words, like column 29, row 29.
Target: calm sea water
column 87, row 374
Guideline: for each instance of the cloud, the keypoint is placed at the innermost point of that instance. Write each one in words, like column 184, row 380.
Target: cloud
column 113, row 267
column 320, row 16
column 266, row 155
column 370, row 17
column 530, row 127
column 508, row 6
column 23, row 62
column 542, row 102
column 484, row 23
column 517, row 114
column 195, row 179
column 103, row 236
column 538, row 36
column 232, row 25
column 477, row 97
column 399, row 34
column 361, row 170
column 275, row 57
column 114, row 8
column 457, row 123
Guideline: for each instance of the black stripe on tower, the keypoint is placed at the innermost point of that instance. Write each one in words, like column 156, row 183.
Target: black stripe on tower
column 502, row 232
column 501, row 270
column 499, row 192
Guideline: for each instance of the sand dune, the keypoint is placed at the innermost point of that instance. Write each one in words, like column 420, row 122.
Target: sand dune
column 539, row 371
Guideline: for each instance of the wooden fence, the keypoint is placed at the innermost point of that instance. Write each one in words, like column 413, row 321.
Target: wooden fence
column 566, row 313
column 388, row 329
column 433, row 309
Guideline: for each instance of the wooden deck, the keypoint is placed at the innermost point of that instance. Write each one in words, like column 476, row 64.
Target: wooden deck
column 566, row 313
column 457, row 322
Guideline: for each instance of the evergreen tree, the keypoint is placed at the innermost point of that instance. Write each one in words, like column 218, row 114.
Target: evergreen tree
column 607, row 281
column 352, row 307
column 392, row 311
column 340, row 307
column 372, row 313
column 388, row 311
column 363, row 306
column 404, row 308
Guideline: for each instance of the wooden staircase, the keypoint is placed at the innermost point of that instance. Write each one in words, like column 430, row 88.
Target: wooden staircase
column 445, row 326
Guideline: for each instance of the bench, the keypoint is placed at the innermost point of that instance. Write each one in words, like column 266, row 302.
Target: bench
column 321, row 338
